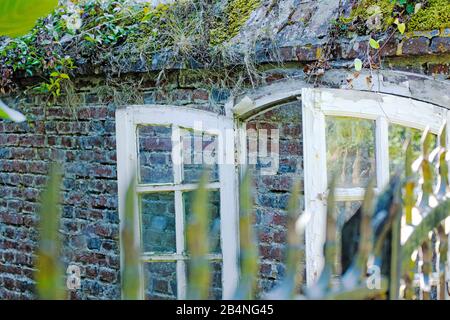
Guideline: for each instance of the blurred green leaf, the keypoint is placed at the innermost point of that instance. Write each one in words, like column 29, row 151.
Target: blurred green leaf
column 198, row 243
column 248, row 244
column 358, row 64
column 17, row 17
column 374, row 43
column 10, row 114
column 49, row 273
column 131, row 248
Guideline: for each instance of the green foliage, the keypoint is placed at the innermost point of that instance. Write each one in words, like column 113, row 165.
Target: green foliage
column 17, row 17
column 10, row 114
column 116, row 35
column 436, row 15
column 56, row 79
column 370, row 10
column 49, row 275
column 237, row 13
column 413, row 15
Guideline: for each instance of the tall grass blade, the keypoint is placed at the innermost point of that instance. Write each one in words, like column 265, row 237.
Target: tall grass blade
column 131, row 287
column 199, row 277
column 290, row 286
column 248, row 244
column 49, row 277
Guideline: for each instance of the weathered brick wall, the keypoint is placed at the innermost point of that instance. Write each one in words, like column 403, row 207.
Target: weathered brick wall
column 82, row 139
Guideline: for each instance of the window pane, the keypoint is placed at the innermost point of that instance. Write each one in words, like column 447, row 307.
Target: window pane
column 155, row 154
column 345, row 210
column 199, row 152
column 158, row 222
column 350, row 150
column 215, row 291
column 214, row 216
column 215, row 285
column 160, row 280
column 398, row 135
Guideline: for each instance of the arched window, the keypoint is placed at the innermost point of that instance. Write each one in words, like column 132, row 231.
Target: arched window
column 354, row 135
column 166, row 149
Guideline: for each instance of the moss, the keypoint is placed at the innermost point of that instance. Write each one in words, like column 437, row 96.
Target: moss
column 237, row 13
column 435, row 16
column 363, row 12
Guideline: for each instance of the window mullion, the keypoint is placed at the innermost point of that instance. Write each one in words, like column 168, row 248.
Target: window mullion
column 382, row 151
column 180, row 243
column 177, row 161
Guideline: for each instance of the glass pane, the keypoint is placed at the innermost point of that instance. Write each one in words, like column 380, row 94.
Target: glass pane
column 215, row 290
column 215, row 285
column 350, row 150
column 398, row 135
column 160, row 280
column 345, row 210
column 199, row 153
column 158, row 222
column 214, row 215
column 155, row 154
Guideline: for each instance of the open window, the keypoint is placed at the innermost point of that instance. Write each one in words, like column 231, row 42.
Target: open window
column 166, row 150
column 354, row 136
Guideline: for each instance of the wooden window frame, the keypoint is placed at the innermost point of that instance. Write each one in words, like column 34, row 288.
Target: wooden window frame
column 127, row 121
column 384, row 109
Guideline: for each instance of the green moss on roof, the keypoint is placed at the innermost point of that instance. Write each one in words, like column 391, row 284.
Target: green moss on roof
column 112, row 35
column 365, row 9
column 237, row 12
column 435, row 16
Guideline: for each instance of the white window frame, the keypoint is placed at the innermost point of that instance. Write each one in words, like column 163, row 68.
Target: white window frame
column 127, row 121
column 384, row 109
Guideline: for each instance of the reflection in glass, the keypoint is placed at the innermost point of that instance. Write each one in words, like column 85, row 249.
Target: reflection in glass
column 155, row 154
column 160, row 280
column 215, row 285
column 398, row 136
column 214, row 216
column 345, row 210
column 200, row 151
column 158, row 222
column 350, row 150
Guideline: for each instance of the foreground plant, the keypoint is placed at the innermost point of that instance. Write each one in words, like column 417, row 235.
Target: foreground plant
column 17, row 17
column 49, row 274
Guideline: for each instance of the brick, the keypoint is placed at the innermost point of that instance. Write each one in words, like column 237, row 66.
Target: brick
column 108, row 275
column 307, row 53
column 200, row 95
column 416, row 46
column 440, row 45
